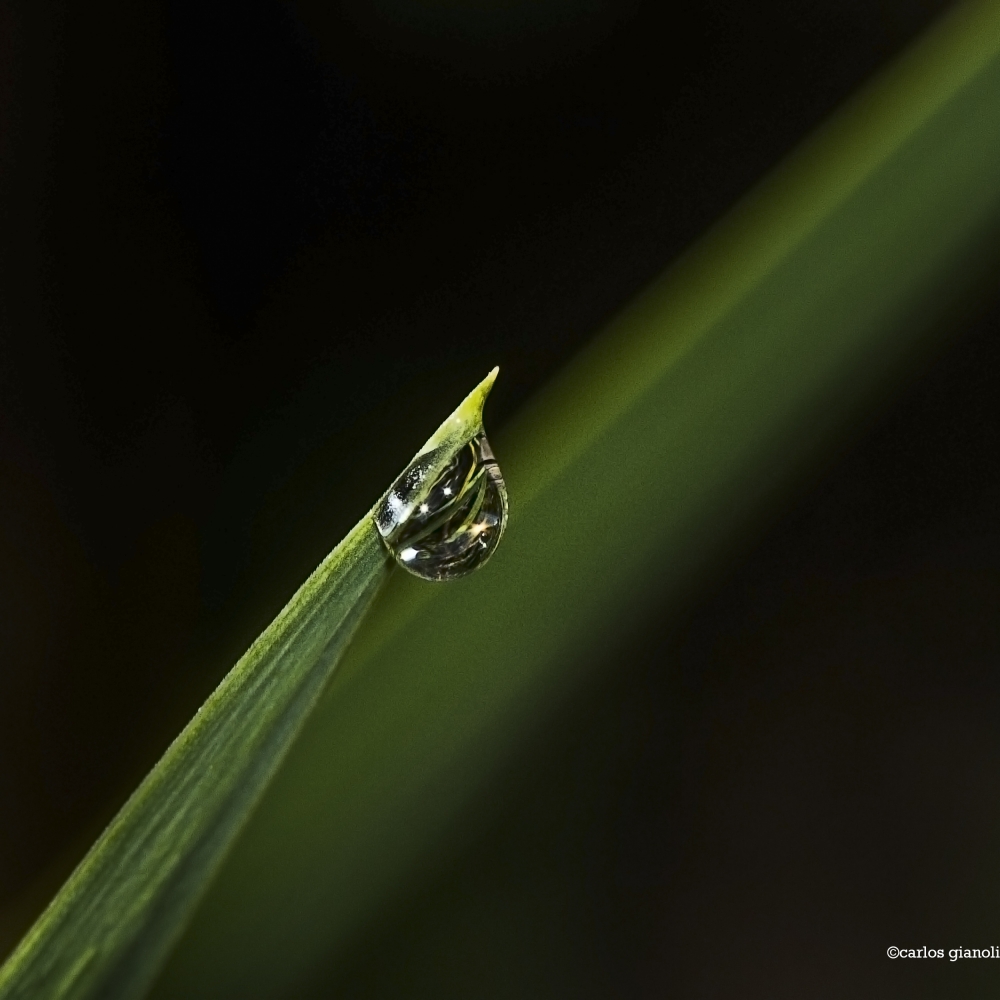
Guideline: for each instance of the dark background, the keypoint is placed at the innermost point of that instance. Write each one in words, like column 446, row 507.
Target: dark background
column 252, row 253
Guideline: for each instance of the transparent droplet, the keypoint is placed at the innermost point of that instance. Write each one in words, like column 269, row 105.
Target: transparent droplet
column 444, row 516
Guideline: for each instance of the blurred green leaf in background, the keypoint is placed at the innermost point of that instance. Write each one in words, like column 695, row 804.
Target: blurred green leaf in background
column 662, row 448
column 628, row 477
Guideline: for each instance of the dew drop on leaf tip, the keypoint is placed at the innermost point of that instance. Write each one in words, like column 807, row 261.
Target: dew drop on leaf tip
column 444, row 516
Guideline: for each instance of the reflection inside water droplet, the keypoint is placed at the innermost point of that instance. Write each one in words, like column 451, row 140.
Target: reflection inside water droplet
column 444, row 517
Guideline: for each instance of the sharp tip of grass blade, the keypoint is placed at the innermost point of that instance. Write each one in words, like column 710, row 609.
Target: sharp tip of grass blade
column 478, row 395
column 467, row 419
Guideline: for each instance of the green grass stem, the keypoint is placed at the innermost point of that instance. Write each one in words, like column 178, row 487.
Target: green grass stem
column 108, row 930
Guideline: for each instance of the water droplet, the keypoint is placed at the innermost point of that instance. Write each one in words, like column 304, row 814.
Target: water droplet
column 444, row 516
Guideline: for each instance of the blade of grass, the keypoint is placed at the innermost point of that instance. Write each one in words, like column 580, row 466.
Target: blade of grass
column 108, row 930
column 640, row 465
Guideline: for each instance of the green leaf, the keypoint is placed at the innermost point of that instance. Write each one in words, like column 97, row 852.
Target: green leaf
column 643, row 463
column 108, row 930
